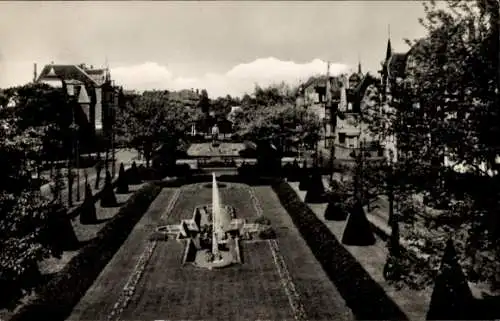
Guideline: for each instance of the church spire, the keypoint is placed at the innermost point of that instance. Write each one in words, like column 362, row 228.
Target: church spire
column 389, row 47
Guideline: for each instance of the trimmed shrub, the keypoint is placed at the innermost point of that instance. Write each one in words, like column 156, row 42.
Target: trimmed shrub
column 57, row 298
column 134, row 178
column 60, row 232
column 108, row 197
column 335, row 211
column 147, row 173
column 122, row 183
column 88, row 213
column 451, row 298
column 294, row 175
column 315, row 189
column 366, row 298
column 358, row 230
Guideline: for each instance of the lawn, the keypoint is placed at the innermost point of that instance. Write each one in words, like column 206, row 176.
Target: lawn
column 276, row 279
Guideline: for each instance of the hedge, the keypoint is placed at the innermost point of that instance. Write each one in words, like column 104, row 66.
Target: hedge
column 364, row 296
column 58, row 297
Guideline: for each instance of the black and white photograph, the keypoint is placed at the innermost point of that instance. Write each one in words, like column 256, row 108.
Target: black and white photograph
column 249, row 160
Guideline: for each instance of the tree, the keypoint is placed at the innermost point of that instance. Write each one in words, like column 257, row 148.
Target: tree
column 281, row 125
column 43, row 107
column 25, row 219
column 445, row 117
column 155, row 121
column 204, row 102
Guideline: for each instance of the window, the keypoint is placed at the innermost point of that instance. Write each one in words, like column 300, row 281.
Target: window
column 341, row 138
column 351, row 141
column 349, row 106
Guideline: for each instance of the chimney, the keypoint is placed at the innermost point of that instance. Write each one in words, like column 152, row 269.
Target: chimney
column 34, row 72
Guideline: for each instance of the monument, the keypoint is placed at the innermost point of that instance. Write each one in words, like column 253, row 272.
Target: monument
column 215, row 135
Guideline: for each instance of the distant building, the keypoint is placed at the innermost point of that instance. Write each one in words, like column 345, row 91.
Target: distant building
column 93, row 91
column 397, row 74
column 347, row 94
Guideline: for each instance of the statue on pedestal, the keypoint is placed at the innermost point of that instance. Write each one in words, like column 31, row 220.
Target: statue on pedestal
column 215, row 134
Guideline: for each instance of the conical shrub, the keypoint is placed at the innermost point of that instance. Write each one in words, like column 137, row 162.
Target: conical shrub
column 294, row 175
column 133, row 175
column 108, row 197
column 315, row 189
column 88, row 214
column 122, row 184
column 335, row 210
column 451, row 298
column 61, row 232
column 357, row 230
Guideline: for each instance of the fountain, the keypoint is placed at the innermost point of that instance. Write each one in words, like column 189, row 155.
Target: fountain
column 213, row 234
column 216, row 244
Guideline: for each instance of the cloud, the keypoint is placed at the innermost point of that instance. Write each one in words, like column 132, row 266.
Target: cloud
column 237, row 81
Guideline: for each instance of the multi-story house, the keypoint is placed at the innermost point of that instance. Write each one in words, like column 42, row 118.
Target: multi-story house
column 94, row 94
column 396, row 77
column 347, row 94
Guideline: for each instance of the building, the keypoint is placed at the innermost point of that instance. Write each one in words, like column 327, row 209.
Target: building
column 93, row 92
column 347, row 93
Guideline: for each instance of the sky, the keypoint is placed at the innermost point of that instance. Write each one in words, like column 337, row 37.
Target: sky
column 224, row 47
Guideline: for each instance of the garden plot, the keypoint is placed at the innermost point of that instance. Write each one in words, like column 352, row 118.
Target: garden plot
column 278, row 279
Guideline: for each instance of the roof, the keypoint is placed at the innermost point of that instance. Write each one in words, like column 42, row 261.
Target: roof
column 66, row 72
column 396, row 65
column 320, row 82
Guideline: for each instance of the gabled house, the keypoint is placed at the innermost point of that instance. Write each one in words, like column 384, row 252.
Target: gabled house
column 92, row 92
column 347, row 94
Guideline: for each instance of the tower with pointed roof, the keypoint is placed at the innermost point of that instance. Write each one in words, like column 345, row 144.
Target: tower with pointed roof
column 388, row 54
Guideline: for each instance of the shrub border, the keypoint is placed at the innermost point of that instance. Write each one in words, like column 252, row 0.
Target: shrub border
column 58, row 297
column 364, row 296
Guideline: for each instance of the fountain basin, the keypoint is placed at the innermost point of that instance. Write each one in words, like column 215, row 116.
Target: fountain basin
column 199, row 257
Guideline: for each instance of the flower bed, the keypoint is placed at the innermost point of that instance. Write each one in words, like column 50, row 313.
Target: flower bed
column 287, row 282
column 57, row 298
column 365, row 297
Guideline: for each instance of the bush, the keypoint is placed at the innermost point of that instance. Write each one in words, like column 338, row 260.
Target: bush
column 122, row 183
column 335, row 211
column 134, row 178
column 366, row 298
column 88, row 213
column 108, row 197
column 58, row 297
column 315, row 189
column 61, row 233
column 294, row 174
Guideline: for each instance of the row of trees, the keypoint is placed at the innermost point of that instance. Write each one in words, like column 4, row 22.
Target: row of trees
column 445, row 117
